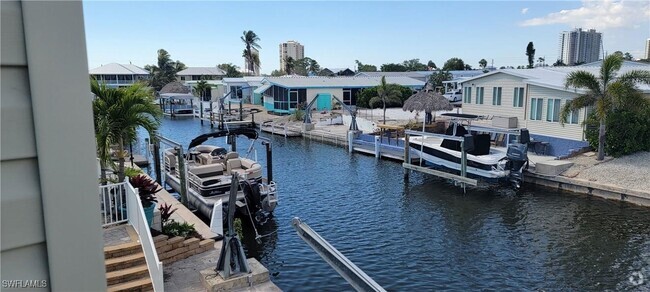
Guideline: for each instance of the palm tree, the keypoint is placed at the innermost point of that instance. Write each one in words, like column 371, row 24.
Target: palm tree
column 202, row 88
column 118, row 112
column 289, row 64
column 165, row 70
column 386, row 93
column 250, row 39
column 313, row 67
column 605, row 92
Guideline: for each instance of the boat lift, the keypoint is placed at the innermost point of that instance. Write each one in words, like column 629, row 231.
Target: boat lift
column 359, row 280
column 349, row 108
column 179, row 157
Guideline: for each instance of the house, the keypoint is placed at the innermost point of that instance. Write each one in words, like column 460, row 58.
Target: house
column 51, row 230
column 243, row 87
column 200, row 73
column 534, row 98
column 422, row 75
column 119, row 75
column 336, row 72
column 283, row 94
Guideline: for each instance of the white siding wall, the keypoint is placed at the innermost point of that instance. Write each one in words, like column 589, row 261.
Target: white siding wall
column 49, row 217
column 553, row 129
column 507, row 83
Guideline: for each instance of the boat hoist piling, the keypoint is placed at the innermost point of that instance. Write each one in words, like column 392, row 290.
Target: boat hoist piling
column 181, row 163
column 347, row 269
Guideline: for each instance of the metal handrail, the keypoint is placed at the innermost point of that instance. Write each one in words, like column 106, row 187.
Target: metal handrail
column 358, row 279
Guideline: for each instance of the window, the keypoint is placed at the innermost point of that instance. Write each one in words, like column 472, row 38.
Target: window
column 347, row 96
column 293, row 98
column 536, row 108
column 182, row 78
column 479, row 95
column 496, row 95
column 553, row 110
column 518, row 97
column 467, row 95
column 236, row 92
column 573, row 116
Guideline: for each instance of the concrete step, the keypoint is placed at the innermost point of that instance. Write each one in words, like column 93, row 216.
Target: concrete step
column 143, row 284
column 552, row 167
column 121, row 250
column 128, row 274
column 123, row 262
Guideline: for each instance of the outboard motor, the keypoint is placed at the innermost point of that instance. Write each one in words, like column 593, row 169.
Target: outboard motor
column 517, row 157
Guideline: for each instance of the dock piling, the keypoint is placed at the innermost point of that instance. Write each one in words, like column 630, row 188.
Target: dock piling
column 407, row 157
column 377, row 146
column 350, row 141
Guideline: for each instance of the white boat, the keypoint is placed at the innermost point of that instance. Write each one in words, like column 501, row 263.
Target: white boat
column 483, row 160
column 209, row 170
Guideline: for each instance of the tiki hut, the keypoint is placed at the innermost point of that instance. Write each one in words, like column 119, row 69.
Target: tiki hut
column 427, row 100
column 175, row 87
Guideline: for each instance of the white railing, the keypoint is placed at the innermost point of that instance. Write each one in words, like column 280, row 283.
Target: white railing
column 120, row 203
column 113, row 204
column 138, row 220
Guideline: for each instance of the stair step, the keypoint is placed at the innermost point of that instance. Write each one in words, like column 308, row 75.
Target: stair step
column 121, row 250
column 143, row 284
column 127, row 274
column 124, row 262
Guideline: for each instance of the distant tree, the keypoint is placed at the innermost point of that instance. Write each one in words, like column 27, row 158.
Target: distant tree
column 300, row 66
column 627, row 56
column 454, row 64
column 201, row 89
column 482, row 63
column 521, row 67
column 439, row 76
column 313, row 67
column 431, row 65
column 619, row 54
column 385, row 94
column 541, row 61
column 289, row 65
column 502, row 67
column 467, row 67
column 414, row 65
column 530, row 52
column 365, row 67
column 559, row 63
column 365, row 95
column 392, row 67
column 230, row 69
column 250, row 40
column 277, row 73
column 165, row 71
column 605, row 92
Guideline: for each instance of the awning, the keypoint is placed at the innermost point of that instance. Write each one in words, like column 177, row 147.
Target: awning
column 262, row 88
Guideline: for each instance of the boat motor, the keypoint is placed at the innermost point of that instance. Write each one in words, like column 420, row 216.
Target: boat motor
column 517, row 156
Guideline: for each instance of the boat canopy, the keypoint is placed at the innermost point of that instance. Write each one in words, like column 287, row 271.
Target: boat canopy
column 249, row 133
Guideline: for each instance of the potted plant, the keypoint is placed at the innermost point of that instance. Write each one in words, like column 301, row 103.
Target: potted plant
column 147, row 190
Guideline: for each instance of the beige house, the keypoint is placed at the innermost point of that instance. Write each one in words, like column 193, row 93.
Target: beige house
column 534, row 98
column 51, row 230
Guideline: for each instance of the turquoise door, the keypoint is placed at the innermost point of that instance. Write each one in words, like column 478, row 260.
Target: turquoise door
column 324, row 101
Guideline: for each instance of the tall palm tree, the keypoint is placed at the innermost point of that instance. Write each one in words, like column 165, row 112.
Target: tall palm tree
column 606, row 92
column 386, row 93
column 289, row 64
column 250, row 40
column 202, row 88
column 118, row 112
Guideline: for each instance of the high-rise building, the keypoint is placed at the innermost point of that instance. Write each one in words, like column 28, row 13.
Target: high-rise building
column 647, row 49
column 291, row 49
column 253, row 71
column 579, row 46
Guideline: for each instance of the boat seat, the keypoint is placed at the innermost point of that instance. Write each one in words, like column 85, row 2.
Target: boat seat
column 231, row 155
column 252, row 168
column 204, row 159
column 171, row 160
column 204, row 171
column 234, row 165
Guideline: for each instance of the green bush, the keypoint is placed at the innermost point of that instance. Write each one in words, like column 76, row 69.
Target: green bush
column 186, row 230
column 132, row 172
column 365, row 95
column 627, row 132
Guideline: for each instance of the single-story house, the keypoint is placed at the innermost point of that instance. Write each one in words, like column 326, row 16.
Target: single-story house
column 243, row 87
column 534, row 99
column 336, row 72
column 119, row 75
column 422, row 75
column 284, row 94
column 200, row 73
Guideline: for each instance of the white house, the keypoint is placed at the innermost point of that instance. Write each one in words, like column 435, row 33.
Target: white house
column 243, row 87
column 534, row 97
column 200, row 73
column 119, row 75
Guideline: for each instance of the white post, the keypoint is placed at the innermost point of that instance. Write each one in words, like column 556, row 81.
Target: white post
column 350, row 141
column 377, row 146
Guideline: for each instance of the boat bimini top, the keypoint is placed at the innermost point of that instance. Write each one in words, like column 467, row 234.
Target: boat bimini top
column 247, row 132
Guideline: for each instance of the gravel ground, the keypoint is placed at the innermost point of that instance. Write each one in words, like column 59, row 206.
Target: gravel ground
column 632, row 171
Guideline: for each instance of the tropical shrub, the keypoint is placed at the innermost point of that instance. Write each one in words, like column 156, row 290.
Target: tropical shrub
column 185, row 230
column 628, row 132
column 131, row 172
column 147, row 189
column 166, row 212
column 365, row 95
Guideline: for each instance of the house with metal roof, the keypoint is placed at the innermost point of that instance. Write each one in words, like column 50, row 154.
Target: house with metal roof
column 242, row 88
column 336, row 72
column 284, row 94
column 422, row 75
column 119, row 75
column 200, row 73
column 533, row 99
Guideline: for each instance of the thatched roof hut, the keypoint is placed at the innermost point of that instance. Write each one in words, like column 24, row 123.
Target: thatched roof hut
column 175, row 87
column 427, row 100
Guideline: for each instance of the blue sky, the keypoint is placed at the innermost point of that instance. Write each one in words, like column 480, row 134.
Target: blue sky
column 206, row 33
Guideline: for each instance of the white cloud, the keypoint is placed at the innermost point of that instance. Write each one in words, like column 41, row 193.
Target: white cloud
column 524, row 11
column 599, row 15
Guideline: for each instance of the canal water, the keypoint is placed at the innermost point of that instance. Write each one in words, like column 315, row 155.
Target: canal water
column 428, row 235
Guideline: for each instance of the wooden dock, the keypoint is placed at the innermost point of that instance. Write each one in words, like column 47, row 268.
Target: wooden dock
column 385, row 153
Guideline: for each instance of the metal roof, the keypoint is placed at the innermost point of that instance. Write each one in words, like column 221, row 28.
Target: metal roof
column 118, row 69
column 554, row 77
column 421, row 74
column 326, row 82
column 262, row 88
column 201, row 71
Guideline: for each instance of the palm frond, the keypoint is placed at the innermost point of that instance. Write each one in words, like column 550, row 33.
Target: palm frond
column 582, row 79
column 577, row 103
column 636, row 76
column 611, row 64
